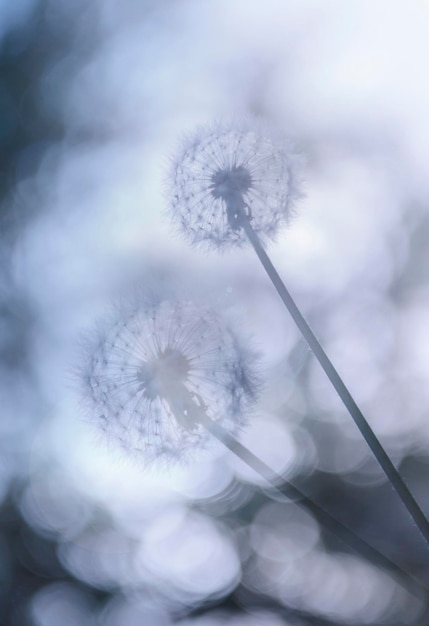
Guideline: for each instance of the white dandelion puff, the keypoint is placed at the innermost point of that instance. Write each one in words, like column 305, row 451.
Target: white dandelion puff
column 226, row 170
column 154, row 374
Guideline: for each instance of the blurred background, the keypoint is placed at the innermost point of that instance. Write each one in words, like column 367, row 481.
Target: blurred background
column 94, row 99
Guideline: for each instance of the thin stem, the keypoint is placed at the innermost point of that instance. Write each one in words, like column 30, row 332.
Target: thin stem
column 357, row 415
column 185, row 405
column 334, row 526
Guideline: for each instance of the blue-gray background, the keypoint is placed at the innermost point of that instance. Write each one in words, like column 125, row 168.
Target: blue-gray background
column 94, row 100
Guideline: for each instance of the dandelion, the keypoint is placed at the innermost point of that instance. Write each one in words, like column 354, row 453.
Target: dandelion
column 225, row 172
column 230, row 184
column 155, row 373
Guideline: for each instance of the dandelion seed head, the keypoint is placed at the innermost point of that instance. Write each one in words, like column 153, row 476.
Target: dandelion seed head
column 231, row 165
column 151, row 372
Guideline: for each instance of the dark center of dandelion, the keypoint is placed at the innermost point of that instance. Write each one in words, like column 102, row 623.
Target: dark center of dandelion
column 164, row 377
column 163, row 374
column 230, row 183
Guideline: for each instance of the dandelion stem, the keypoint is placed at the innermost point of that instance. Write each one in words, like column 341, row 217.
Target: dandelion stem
column 356, row 414
column 337, row 528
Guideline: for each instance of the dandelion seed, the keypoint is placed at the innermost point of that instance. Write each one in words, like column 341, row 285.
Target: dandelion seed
column 224, row 172
column 154, row 374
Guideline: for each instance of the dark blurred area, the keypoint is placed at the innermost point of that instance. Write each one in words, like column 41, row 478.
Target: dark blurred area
column 233, row 552
column 28, row 47
column 30, row 42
